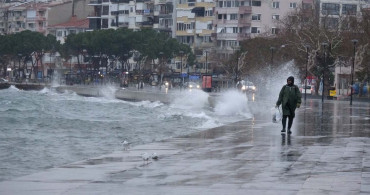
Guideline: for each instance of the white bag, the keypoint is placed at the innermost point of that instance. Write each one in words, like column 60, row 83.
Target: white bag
column 277, row 115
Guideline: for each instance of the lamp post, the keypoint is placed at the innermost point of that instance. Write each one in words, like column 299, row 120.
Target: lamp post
column 354, row 41
column 188, row 73
column 323, row 73
column 160, row 67
column 182, row 80
column 70, row 69
column 19, row 65
column 272, row 57
column 206, row 62
column 305, row 83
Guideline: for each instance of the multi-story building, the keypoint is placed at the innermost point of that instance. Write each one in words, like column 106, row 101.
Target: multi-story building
column 37, row 16
column 163, row 16
column 194, row 27
column 232, row 23
column 111, row 14
column 4, row 9
column 334, row 12
column 238, row 20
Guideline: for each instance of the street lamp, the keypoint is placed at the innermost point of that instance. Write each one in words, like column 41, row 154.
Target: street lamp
column 181, row 54
column 305, row 84
column 19, row 65
column 70, row 69
column 354, row 41
column 272, row 56
column 206, row 62
column 323, row 72
column 160, row 68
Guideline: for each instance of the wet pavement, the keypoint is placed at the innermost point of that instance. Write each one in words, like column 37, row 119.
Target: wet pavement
column 328, row 153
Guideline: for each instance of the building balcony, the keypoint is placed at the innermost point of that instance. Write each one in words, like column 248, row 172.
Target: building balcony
column 245, row 22
column 245, row 10
column 95, row 2
column 37, row 18
column 156, row 2
column 146, row 23
column 227, row 10
column 204, row 45
column 165, row 27
column 94, row 15
column 120, row 1
column 239, row 23
column 231, row 36
column 122, row 24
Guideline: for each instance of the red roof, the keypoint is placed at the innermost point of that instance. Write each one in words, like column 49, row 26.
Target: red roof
column 73, row 23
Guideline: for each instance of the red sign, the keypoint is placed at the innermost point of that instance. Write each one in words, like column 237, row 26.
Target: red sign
column 206, row 82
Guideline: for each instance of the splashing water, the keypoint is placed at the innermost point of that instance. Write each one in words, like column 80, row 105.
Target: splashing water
column 109, row 91
column 270, row 83
column 232, row 103
column 190, row 99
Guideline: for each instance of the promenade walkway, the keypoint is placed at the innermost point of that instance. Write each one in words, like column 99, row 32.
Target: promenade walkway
column 328, row 153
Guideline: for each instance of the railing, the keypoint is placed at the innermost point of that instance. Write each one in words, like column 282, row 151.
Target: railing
column 95, row 2
column 96, row 14
column 236, row 36
column 245, row 10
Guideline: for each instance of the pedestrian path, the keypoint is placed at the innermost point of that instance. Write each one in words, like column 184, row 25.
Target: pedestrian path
column 328, row 153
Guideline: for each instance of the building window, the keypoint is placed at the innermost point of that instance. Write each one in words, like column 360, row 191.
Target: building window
column 307, row 6
column 72, row 31
column 276, row 4
column 275, row 17
column 220, row 4
column 293, row 5
column 228, row 3
column 235, row 30
column 104, row 23
column 207, row 39
column 233, row 16
column 209, row 26
column 256, row 3
column 255, row 30
column 59, row 33
column 331, row 23
column 330, row 9
column 256, row 17
column 105, row 10
column 274, row 30
column 349, row 9
column 209, row 13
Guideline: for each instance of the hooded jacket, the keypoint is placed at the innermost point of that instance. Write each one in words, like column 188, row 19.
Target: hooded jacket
column 289, row 97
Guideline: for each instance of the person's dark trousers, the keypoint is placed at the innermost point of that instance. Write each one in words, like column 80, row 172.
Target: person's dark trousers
column 290, row 121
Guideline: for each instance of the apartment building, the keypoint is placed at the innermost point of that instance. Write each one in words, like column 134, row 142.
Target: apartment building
column 37, row 16
column 237, row 20
column 194, row 27
column 163, row 16
column 334, row 12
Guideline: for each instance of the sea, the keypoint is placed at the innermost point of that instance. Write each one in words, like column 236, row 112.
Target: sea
column 46, row 129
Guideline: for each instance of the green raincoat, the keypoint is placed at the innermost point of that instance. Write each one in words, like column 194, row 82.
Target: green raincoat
column 289, row 97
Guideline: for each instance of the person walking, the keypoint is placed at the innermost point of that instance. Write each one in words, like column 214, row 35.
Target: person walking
column 289, row 99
